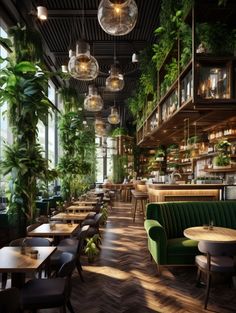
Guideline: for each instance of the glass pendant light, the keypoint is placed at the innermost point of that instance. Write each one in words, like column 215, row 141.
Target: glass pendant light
column 100, row 127
column 115, row 81
column 114, row 117
column 93, row 102
column 117, row 17
column 82, row 65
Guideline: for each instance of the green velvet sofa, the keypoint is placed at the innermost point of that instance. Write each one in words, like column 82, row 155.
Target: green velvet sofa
column 166, row 221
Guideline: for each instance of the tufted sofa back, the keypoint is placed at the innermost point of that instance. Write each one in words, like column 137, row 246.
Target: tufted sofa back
column 177, row 216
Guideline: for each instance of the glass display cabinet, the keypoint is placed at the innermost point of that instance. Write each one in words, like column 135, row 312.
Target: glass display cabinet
column 213, row 81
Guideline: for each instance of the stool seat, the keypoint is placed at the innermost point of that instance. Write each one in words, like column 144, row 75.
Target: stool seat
column 139, row 196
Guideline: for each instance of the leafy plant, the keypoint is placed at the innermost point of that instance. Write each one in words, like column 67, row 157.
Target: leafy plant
column 91, row 249
column 77, row 165
column 217, row 38
column 71, row 100
column 23, row 85
column 223, row 157
column 118, row 131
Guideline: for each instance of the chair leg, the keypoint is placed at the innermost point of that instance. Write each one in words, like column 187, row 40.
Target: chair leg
column 135, row 208
column 4, row 280
column 70, row 306
column 79, row 269
column 207, row 290
column 198, row 277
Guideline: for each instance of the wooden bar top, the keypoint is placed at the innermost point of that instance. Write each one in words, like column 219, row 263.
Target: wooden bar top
column 184, row 186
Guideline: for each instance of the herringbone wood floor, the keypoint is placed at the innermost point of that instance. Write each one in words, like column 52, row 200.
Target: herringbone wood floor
column 124, row 280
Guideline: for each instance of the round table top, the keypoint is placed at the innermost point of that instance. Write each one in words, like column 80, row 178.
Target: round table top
column 217, row 234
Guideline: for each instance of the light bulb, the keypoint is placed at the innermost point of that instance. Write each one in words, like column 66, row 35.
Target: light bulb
column 117, row 17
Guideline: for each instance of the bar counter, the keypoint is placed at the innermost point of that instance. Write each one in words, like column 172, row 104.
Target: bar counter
column 184, row 192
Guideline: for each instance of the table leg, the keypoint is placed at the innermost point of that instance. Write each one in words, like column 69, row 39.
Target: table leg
column 17, row 279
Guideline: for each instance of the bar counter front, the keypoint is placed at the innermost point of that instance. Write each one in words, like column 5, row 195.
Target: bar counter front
column 185, row 192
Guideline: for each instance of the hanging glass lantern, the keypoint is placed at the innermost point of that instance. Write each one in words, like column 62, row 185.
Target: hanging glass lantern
column 115, row 82
column 82, row 65
column 93, row 102
column 100, row 127
column 114, row 117
column 117, row 17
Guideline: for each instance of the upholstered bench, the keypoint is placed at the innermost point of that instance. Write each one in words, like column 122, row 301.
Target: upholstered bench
column 166, row 221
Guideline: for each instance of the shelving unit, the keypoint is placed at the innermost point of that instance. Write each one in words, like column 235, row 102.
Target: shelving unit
column 204, row 93
column 191, row 96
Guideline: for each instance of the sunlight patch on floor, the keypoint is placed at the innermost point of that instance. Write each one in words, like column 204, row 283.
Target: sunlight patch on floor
column 108, row 271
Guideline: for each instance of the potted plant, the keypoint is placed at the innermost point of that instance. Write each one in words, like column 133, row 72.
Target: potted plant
column 222, row 160
column 91, row 248
column 160, row 154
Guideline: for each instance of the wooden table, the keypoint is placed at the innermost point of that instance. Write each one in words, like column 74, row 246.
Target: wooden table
column 85, row 203
column 79, row 208
column 70, row 216
column 217, row 234
column 13, row 261
column 55, row 230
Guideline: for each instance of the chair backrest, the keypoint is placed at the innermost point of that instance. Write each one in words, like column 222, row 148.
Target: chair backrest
column 10, row 301
column 17, row 242
column 36, row 242
column 32, row 226
column 67, row 261
column 217, row 249
column 81, row 238
column 97, row 219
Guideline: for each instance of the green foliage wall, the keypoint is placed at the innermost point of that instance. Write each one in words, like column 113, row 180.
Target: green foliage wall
column 23, row 85
column 77, row 165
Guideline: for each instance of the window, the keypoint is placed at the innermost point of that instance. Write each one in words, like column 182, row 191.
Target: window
column 51, row 127
column 104, row 152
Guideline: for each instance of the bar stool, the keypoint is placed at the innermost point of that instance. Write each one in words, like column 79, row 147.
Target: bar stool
column 139, row 196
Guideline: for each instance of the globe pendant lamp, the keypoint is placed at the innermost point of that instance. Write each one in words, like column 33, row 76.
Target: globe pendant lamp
column 100, row 128
column 93, row 102
column 114, row 117
column 117, row 17
column 115, row 82
column 82, row 65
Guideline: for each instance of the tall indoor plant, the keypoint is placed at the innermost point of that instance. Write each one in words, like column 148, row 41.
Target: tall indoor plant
column 23, row 85
column 76, row 166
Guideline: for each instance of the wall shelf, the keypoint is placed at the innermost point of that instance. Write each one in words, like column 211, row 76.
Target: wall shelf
column 220, row 170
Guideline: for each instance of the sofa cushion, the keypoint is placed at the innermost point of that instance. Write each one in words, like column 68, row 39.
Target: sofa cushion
column 181, row 250
column 177, row 216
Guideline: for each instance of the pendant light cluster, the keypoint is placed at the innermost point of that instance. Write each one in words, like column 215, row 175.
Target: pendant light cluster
column 117, row 17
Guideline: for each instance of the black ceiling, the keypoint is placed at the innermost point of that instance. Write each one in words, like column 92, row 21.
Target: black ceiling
column 65, row 25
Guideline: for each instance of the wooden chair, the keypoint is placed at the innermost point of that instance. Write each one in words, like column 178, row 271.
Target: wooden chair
column 217, row 258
